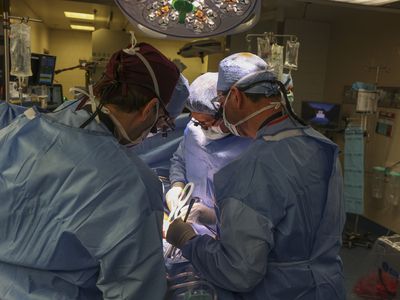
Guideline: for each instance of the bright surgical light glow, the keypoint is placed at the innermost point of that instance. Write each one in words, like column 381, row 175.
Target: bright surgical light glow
column 191, row 18
column 367, row 2
column 82, row 27
column 82, row 16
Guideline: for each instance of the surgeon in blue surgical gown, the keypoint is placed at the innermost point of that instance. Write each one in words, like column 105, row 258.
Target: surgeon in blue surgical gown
column 279, row 206
column 8, row 112
column 80, row 214
column 157, row 149
column 204, row 150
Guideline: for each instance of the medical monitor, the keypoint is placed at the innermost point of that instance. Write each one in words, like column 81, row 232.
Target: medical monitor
column 321, row 114
column 43, row 67
column 47, row 66
column 35, row 65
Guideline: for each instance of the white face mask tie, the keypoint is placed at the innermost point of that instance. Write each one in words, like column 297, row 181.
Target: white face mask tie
column 121, row 132
column 233, row 127
column 91, row 96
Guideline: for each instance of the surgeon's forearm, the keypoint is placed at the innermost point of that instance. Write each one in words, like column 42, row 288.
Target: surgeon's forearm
column 177, row 171
column 238, row 260
column 213, row 263
column 177, row 174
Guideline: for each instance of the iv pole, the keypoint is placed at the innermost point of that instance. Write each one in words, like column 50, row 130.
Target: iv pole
column 6, row 30
column 270, row 35
column 6, row 74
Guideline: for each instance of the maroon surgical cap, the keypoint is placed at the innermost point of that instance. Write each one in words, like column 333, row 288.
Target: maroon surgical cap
column 129, row 70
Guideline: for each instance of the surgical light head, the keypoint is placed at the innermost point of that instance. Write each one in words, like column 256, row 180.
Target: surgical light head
column 191, row 18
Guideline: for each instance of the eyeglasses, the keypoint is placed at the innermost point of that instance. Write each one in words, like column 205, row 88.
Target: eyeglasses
column 204, row 125
column 217, row 103
column 164, row 123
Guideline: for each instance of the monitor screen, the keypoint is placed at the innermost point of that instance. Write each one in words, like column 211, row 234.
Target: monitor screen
column 35, row 65
column 321, row 114
column 43, row 67
column 46, row 69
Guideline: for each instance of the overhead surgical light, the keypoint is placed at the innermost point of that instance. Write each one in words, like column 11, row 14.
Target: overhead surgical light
column 191, row 18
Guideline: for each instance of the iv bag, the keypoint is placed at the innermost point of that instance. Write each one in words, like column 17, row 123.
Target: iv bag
column 263, row 47
column 292, row 54
column 277, row 61
column 20, row 50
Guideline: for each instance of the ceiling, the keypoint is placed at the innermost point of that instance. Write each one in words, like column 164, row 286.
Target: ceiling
column 52, row 13
column 391, row 7
column 109, row 16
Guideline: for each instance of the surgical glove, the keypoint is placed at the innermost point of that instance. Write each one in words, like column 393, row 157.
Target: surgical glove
column 179, row 233
column 173, row 194
column 200, row 214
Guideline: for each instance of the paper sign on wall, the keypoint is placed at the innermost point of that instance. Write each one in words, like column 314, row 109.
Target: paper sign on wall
column 385, row 123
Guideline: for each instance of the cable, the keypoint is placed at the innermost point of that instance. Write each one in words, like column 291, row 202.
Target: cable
column 92, row 117
column 390, row 294
column 288, row 106
column 394, row 165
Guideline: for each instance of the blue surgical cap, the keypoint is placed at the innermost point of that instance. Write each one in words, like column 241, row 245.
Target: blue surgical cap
column 203, row 92
column 259, row 83
column 179, row 97
column 236, row 66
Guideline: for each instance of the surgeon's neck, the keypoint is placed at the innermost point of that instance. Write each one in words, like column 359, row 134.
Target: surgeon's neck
column 251, row 127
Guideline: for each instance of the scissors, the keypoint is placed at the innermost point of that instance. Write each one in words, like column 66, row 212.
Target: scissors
column 183, row 199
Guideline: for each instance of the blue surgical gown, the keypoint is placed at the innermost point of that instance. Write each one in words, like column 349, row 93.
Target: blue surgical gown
column 80, row 215
column 8, row 112
column 280, row 219
column 197, row 159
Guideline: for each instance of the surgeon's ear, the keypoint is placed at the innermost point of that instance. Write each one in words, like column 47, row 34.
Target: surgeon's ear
column 148, row 109
column 237, row 97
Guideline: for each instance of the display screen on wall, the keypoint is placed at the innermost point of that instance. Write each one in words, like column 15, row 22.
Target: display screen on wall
column 321, row 114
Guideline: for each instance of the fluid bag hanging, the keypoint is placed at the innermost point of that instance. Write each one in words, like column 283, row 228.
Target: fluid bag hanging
column 277, row 61
column 292, row 54
column 263, row 47
column 20, row 50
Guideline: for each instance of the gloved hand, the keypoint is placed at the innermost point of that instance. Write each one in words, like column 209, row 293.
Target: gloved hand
column 173, row 194
column 200, row 214
column 179, row 233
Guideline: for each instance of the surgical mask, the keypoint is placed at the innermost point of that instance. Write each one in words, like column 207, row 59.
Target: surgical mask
column 214, row 133
column 233, row 127
column 120, row 130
